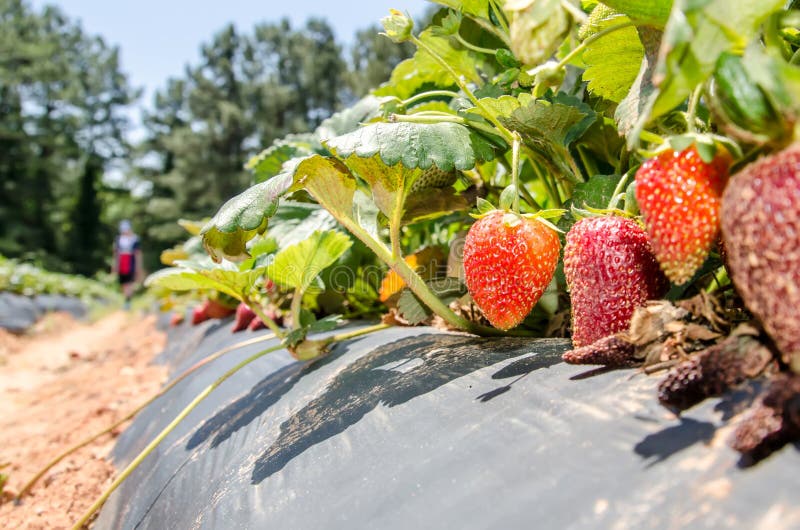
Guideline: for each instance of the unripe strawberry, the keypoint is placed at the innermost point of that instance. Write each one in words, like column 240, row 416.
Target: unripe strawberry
column 508, row 262
column 215, row 309
column 679, row 197
column 761, row 231
column 610, row 270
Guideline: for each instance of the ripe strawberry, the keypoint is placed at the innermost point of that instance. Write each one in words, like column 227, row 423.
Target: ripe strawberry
column 256, row 324
column 176, row 319
column 679, row 197
column 244, row 315
column 508, row 262
column 610, row 270
column 215, row 309
column 761, row 231
column 200, row 314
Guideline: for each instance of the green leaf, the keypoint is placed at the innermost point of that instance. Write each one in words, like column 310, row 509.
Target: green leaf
column 270, row 161
column 697, row 33
column 647, row 12
column 243, row 217
column 634, row 110
column 299, row 265
column 595, row 192
column 225, row 278
column 436, row 203
column 296, row 221
column 478, row 8
column 550, row 126
column 351, row 118
column 537, row 29
column 415, row 312
column 416, row 145
column 612, row 61
column 388, row 184
column 412, row 76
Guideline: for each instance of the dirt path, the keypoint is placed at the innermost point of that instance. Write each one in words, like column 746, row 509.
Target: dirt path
column 60, row 383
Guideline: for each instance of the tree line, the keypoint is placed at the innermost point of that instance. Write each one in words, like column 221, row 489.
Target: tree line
column 68, row 172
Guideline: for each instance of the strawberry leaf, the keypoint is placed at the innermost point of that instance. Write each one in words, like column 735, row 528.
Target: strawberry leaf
column 351, row 118
column 269, row 162
column 243, row 217
column 550, row 126
column 612, row 62
column 416, row 145
column 653, row 12
column 415, row 312
column 190, row 276
column 478, row 8
column 298, row 266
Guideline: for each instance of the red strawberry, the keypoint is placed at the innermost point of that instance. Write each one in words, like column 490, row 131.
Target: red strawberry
column 176, row 319
column 508, row 262
column 256, row 324
column 200, row 313
column 218, row 310
column 679, row 197
column 761, row 231
column 244, row 315
column 610, row 270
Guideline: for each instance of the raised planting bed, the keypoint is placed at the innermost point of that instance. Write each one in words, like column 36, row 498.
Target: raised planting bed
column 415, row 428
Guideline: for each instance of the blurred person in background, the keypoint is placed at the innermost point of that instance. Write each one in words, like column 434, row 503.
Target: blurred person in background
column 127, row 264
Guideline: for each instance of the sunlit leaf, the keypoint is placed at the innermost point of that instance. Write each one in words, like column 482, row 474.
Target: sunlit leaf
column 299, row 265
column 243, row 217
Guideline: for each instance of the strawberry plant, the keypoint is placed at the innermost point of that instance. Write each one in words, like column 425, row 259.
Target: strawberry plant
column 532, row 116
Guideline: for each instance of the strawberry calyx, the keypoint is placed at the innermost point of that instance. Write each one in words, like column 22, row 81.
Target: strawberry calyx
column 512, row 218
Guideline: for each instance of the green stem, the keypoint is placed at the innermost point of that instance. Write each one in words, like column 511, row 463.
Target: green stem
column 429, row 94
column 488, row 26
column 296, row 307
column 341, row 337
column 529, row 198
column 549, row 184
column 441, row 117
column 500, row 15
column 588, row 163
column 86, row 441
column 795, row 57
column 589, row 40
column 615, row 196
column 691, row 111
column 164, row 433
column 256, row 308
column 505, row 133
column 515, row 169
column 651, row 137
column 470, row 46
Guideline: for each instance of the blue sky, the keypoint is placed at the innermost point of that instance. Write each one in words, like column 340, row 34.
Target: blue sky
column 158, row 37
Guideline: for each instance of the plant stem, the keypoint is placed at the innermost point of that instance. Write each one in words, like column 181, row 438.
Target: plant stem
column 341, row 337
column 500, row 15
column 515, row 169
column 429, row 94
column 86, row 441
column 691, row 111
column 651, row 137
column 589, row 40
column 164, row 433
column 256, row 308
column 442, row 117
column 623, row 181
column 488, row 26
column 505, row 133
column 295, row 307
column 470, row 46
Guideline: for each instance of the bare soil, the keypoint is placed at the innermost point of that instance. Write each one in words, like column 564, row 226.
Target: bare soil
column 59, row 383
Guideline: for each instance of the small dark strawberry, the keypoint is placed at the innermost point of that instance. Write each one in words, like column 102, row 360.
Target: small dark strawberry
column 713, row 371
column 679, row 197
column 761, row 231
column 610, row 351
column 610, row 270
column 244, row 315
column 773, row 422
column 508, row 262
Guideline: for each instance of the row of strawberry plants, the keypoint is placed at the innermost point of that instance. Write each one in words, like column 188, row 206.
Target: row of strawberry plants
column 602, row 147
